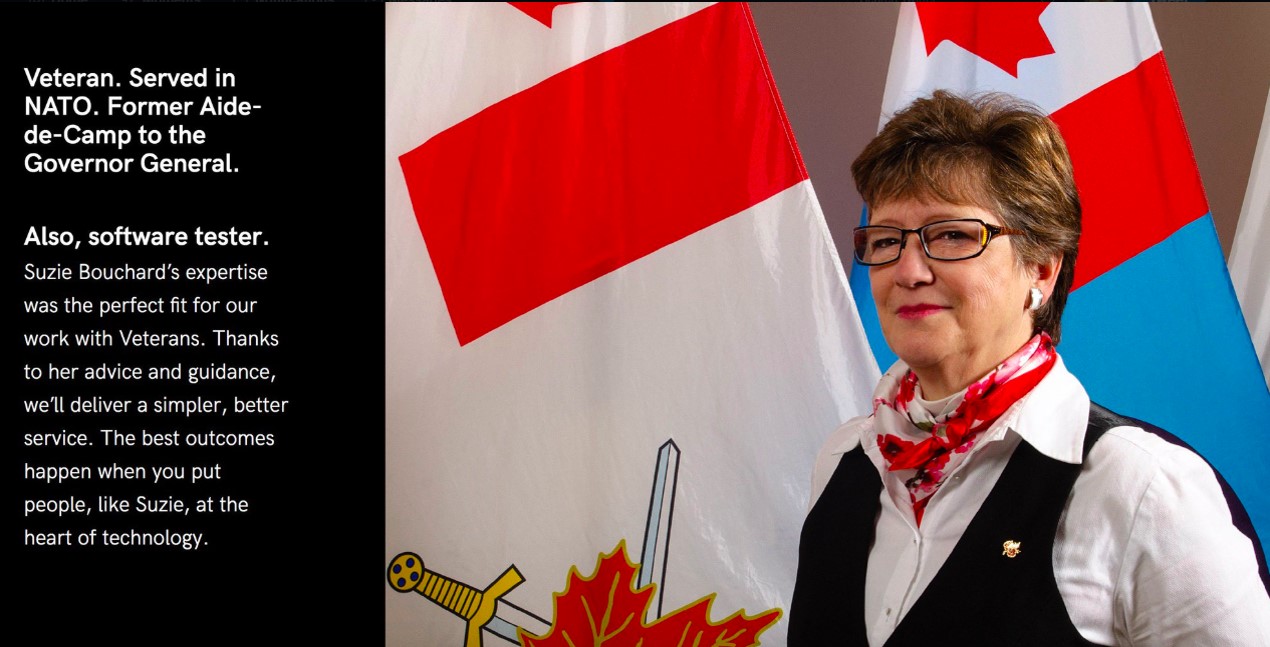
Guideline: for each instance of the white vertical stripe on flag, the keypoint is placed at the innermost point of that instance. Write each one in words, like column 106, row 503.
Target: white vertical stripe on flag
column 1249, row 256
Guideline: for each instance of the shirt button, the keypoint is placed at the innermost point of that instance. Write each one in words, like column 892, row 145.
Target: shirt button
column 888, row 612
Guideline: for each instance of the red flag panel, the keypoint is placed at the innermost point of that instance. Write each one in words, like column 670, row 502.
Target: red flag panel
column 600, row 165
column 1134, row 169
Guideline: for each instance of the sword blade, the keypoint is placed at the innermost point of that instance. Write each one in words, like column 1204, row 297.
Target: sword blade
column 661, row 505
column 509, row 617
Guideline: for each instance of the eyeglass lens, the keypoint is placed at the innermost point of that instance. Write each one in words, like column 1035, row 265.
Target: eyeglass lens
column 949, row 240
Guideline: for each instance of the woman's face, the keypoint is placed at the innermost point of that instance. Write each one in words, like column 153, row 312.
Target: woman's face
column 952, row 321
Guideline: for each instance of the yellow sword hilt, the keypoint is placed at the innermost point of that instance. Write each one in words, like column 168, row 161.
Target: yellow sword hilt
column 407, row 573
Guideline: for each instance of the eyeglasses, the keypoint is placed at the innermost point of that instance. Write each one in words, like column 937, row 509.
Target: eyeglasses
column 946, row 240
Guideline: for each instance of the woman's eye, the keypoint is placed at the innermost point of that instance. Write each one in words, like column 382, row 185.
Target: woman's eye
column 951, row 234
column 883, row 243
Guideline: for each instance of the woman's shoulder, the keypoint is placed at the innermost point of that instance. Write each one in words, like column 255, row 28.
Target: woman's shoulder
column 1136, row 446
column 1140, row 457
column 845, row 438
column 1158, row 515
column 1152, row 473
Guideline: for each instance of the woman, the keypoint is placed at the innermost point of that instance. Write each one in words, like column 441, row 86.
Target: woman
column 985, row 500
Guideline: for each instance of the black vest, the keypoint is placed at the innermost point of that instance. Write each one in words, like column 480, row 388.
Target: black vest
column 979, row 597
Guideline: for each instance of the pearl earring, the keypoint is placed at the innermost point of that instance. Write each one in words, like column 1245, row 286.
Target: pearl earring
column 1034, row 299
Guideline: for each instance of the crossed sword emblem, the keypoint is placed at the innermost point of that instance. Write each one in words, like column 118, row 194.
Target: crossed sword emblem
column 486, row 610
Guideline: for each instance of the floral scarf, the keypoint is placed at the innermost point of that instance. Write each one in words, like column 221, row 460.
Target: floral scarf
column 932, row 446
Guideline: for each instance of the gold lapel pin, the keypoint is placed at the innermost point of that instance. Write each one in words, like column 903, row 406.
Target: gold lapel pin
column 1011, row 548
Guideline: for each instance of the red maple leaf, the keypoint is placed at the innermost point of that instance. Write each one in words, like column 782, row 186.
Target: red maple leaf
column 606, row 610
column 540, row 11
column 1001, row 33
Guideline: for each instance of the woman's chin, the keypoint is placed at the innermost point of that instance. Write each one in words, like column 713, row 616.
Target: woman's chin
column 920, row 356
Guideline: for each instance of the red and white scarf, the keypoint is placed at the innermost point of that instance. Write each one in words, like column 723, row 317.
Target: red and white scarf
column 932, row 446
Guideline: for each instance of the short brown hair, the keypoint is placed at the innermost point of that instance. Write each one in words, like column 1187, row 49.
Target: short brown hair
column 992, row 151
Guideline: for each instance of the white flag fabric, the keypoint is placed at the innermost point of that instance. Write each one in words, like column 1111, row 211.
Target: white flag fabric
column 1249, row 259
column 600, row 237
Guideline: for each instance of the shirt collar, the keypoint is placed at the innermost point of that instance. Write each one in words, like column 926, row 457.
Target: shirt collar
column 1052, row 418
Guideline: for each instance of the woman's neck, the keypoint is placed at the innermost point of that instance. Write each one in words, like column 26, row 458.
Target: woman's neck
column 937, row 385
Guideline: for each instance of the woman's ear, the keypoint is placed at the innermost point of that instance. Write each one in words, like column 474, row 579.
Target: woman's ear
column 1046, row 275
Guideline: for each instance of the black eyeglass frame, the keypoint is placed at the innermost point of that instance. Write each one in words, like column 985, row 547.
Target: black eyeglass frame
column 993, row 232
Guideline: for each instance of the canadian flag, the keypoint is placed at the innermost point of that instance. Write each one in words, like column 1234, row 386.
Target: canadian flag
column 613, row 311
column 1152, row 328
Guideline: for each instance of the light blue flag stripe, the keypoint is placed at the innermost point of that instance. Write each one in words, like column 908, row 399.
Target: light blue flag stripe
column 863, row 295
column 1161, row 338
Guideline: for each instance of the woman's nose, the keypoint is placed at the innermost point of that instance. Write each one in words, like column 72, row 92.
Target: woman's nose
column 912, row 268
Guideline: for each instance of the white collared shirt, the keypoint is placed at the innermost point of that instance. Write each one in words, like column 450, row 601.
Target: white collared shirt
column 1145, row 552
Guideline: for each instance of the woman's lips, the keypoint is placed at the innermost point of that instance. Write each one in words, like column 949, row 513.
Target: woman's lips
column 918, row 311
